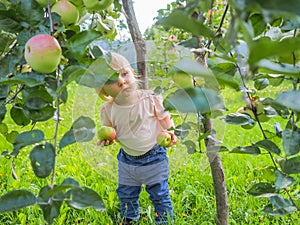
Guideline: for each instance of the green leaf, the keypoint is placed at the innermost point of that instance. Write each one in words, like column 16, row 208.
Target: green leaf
column 18, row 116
column 84, row 197
column 258, row 23
column 70, row 74
column 57, row 190
column 190, row 43
column 265, row 47
column 2, row 111
column 197, row 99
column 269, row 146
column 28, row 79
column 5, row 41
column 178, row 18
column 238, row 119
column 97, row 74
column 291, row 141
column 190, row 146
column 50, row 205
column 82, row 130
column 217, row 148
column 277, row 6
column 279, row 207
column 29, row 11
column 192, row 67
column 78, row 43
column 290, row 166
column 51, row 87
column 182, row 130
column 246, row 150
column 277, row 106
column 268, row 66
column 4, row 90
column 279, row 212
column 11, row 61
column 15, row 200
column 28, row 138
column 262, row 189
column 262, row 83
column 36, row 98
column 42, row 159
column 291, row 23
column 42, row 114
column 225, row 74
column 283, row 181
column 10, row 137
column 3, row 128
column 289, row 99
column 8, row 22
column 70, row 182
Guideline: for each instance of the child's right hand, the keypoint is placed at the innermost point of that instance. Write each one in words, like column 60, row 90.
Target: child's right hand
column 106, row 135
column 105, row 142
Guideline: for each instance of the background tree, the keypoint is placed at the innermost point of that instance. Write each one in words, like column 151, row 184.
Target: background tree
column 139, row 43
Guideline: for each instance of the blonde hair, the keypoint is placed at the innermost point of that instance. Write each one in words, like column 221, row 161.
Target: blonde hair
column 117, row 63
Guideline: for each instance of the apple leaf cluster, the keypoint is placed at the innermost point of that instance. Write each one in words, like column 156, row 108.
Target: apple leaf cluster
column 260, row 48
column 45, row 46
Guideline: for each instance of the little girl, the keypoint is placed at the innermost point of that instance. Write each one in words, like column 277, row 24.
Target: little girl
column 138, row 117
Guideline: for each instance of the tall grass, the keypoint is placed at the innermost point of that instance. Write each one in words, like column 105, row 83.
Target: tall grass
column 190, row 178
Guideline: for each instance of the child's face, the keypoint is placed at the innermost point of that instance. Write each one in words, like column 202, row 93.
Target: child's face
column 124, row 85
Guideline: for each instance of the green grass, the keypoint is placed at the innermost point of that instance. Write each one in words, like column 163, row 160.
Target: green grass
column 190, row 180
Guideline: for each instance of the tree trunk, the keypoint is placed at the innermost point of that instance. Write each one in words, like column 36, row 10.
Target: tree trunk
column 214, row 158
column 139, row 43
column 218, row 176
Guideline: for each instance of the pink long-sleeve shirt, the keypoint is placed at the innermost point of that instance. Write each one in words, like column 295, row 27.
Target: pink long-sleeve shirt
column 137, row 125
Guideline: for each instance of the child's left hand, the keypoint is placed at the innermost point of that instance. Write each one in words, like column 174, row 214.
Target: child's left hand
column 174, row 138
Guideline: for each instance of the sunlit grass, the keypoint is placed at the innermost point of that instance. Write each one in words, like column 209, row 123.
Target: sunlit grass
column 191, row 184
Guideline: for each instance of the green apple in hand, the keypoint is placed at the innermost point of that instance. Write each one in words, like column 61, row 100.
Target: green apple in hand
column 43, row 53
column 106, row 133
column 164, row 139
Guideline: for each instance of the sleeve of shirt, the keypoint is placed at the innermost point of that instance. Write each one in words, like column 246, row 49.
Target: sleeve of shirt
column 163, row 116
column 104, row 117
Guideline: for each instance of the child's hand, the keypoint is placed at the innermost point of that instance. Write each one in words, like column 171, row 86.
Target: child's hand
column 166, row 138
column 106, row 135
column 174, row 138
column 105, row 142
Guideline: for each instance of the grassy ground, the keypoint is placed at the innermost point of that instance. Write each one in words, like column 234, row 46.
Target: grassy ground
column 190, row 181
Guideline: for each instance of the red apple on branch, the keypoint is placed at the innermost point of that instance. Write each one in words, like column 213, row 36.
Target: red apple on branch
column 164, row 139
column 106, row 133
column 43, row 53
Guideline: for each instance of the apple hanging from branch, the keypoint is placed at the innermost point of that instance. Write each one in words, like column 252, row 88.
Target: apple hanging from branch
column 94, row 5
column 68, row 12
column 43, row 53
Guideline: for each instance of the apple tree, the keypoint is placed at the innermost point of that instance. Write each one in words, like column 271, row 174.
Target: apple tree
column 247, row 46
column 34, row 76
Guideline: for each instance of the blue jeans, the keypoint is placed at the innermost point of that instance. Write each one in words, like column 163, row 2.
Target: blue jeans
column 152, row 170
